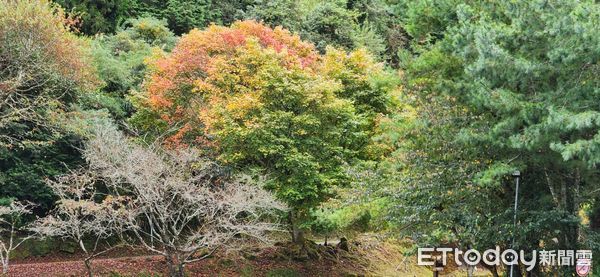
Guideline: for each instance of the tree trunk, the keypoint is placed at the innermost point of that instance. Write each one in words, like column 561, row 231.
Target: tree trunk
column 297, row 235
column 572, row 233
column 176, row 270
column 88, row 266
column 5, row 265
column 576, row 203
column 181, row 270
column 175, row 265
column 170, row 264
column 516, row 272
column 552, row 190
column 563, row 195
column 296, row 232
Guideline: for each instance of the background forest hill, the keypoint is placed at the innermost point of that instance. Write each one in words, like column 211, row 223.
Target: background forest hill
column 404, row 118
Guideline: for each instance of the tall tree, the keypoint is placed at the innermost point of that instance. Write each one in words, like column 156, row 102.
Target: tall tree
column 181, row 15
column 263, row 99
column 520, row 80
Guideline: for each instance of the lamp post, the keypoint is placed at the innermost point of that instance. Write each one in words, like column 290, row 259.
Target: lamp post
column 517, row 176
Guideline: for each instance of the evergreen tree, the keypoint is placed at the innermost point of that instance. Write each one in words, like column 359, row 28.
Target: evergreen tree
column 518, row 86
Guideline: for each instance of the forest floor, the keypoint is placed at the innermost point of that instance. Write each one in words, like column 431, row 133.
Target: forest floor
column 368, row 256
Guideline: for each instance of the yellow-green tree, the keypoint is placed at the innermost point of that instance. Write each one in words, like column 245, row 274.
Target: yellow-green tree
column 260, row 98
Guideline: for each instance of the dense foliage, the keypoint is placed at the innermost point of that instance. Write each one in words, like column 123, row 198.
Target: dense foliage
column 401, row 117
column 43, row 69
column 119, row 59
column 500, row 90
column 263, row 99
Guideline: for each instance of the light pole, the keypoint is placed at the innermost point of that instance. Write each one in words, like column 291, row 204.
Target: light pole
column 517, row 176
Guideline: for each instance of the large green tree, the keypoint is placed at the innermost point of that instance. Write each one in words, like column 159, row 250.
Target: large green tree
column 509, row 88
column 262, row 99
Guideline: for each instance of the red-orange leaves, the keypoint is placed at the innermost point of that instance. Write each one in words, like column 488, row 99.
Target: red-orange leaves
column 180, row 85
column 36, row 44
column 262, row 98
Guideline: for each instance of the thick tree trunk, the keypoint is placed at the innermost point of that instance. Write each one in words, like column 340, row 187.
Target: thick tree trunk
column 296, row 232
column 297, row 235
column 175, row 265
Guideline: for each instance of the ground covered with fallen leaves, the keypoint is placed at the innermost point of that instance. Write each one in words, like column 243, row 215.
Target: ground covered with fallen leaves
column 125, row 262
column 367, row 256
column 155, row 266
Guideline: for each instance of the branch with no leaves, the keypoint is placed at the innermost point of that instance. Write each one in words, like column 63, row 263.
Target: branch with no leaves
column 10, row 217
column 80, row 216
column 180, row 203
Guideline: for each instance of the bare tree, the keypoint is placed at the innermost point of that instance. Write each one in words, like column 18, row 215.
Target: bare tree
column 10, row 217
column 80, row 215
column 173, row 203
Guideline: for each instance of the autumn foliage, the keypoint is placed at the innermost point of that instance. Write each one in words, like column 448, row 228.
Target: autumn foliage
column 35, row 37
column 43, row 66
column 262, row 98
column 182, row 84
column 185, row 85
